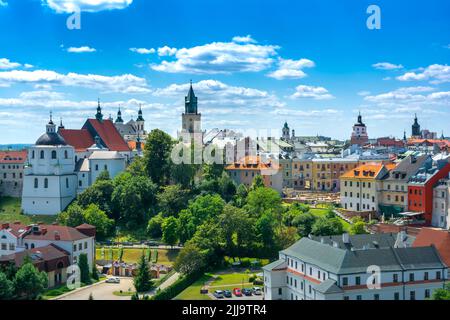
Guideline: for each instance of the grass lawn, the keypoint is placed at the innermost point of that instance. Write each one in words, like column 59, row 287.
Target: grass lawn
column 132, row 255
column 234, row 278
column 124, row 293
column 10, row 211
column 318, row 212
column 193, row 292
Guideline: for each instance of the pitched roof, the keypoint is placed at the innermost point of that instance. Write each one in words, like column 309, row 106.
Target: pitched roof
column 81, row 139
column 106, row 155
column 276, row 265
column 328, row 286
column 366, row 171
column 45, row 232
column 437, row 237
column 7, row 157
column 108, row 133
column 253, row 163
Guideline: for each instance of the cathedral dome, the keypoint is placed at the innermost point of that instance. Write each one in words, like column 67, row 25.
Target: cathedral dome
column 51, row 139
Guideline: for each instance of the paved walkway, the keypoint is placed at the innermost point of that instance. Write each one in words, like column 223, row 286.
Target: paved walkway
column 100, row 291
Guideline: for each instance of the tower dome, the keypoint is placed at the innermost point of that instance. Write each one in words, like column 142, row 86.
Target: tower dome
column 51, row 137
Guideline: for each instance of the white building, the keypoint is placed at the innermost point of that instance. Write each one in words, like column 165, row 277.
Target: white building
column 341, row 268
column 441, row 205
column 50, row 182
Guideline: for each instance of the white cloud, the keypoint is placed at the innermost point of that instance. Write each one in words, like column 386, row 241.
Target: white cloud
column 143, row 50
column 216, row 93
column 306, row 113
column 126, row 83
column 166, row 51
column 387, row 66
column 312, row 92
column 246, row 39
column 7, row 64
column 435, row 73
column 82, row 49
column 70, row 6
column 219, row 58
column 3, row 3
column 363, row 93
column 291, row 69
column 42, row 94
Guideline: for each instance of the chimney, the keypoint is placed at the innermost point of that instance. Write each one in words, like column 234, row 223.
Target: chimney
column 345, row 238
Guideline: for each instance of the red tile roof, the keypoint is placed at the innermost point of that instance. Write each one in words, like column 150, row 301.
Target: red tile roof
column 439, row 238
column 46, row 232
column 108, row 133
column 79, row 139
column 13, row 156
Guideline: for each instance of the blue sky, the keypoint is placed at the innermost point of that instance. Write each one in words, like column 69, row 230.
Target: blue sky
column 254, row 64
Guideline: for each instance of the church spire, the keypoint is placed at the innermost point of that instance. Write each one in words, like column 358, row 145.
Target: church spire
column 190, row 101
column 140, row 118
column 61, row 126
column 51, row 127
column 99, row 115
column 119, row 116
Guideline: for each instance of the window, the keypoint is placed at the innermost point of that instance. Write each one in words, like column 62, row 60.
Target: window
column 310, row 271
column 32, row 246
column 376, row 296
column 66, row 154
column 411, row 277
column 42, row 154
column 310, row 289
column 318, row 274
column 96, row 169
column 345, row 281
column 358, row 281
column 395, row 277
column 287, row 279
column 295, row 283
column 67, row 182
column 425, row 276
column 46, row 183
column 4, row 246
column 32, row 155
column 80, row 246
column 359, row 297
column 438, row 275
column 74, row 247
column 12, row 247
column 346, row 298
column 412, row 295
column 396, row 296
column 53, row 154
column 280, row 291
column 427, row 293
column 36, row 183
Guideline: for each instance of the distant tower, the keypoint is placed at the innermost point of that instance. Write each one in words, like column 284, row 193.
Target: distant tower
column 191, row 119
column 119, row 117
column 442, row 135
column 293, row 134
column 404, row 137
column 415, row 128
column 99, row 115
column 359, row 134
column 140, row 122
column 61, row 126
column 285, row 132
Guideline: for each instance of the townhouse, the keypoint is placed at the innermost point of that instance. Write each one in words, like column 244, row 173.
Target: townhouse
column 11, row 172
column 441, row 205
column 359, row 267
column 359, row 187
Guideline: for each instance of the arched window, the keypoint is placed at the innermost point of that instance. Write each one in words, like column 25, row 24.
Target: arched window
column 96, row 167
column 26, row 246
column 36, row 183
column 42, row 154
column 106, row 167
column 32, row 154
column 32, row 246
column 53, row 154
column 45, row 183
column 66, row 154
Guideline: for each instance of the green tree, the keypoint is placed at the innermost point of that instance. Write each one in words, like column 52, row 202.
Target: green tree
column 104, row 175
column 72, row 217
column 189, row 260
column 304, row 223
column 240, row 198
column 172, row 200
column 85, row 276
column 94, row 274
column 262, row 200
column 170, row 231
column 99, row 193
column 227, row 187
column 137, row 167
column 206, row 206
column 6, row 287
column 154, row 226
column 327, row 227
column 265, row 227
column 93, row 215
column 208, row 240
column 142, row 281
column 186, row 225
column 157, row 152
column 442, row 294
column 258, row 182
column 358, row 226
column 29, row 283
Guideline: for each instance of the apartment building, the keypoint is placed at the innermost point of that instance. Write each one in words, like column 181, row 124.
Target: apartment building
column 11, row 172
column 441, row 205
column 394, row 186
column 326, row 172
column 359, row 187
column 359, row 267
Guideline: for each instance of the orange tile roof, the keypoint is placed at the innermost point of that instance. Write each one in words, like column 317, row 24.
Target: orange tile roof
column 439, row 238
column 253, row 163
column 367, row 171
column 13, row 156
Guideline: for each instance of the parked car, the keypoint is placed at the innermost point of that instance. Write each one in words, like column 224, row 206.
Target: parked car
column 218, row 294
column 227, row 294
column 237, row 292
column 247, row 292
column 257, row 291
column 113, row 280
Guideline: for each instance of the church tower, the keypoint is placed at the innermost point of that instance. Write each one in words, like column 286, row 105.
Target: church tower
column 415, row 128
column 359, row 134
column 119, row 117
column 99, row 115
column 191, row 119
column 49, row 183
column 140, row 122
column 285, row 132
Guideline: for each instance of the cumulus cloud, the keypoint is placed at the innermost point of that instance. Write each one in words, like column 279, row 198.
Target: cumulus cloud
column 311, row 92
column 126, row 83
column 218, row 58
column 291, row 69
column 167, row 51
column 387, row 66
column 245, row 39
column 216, row 93
column 82, row 49
column 409, row 96
column 435, row 73
column 70, row 6
column 7, row 64
column 143, row 50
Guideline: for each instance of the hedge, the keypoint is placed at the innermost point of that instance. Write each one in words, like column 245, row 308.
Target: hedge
column 178, row 286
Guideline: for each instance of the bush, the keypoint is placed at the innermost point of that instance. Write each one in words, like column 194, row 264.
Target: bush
column 177, row 287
